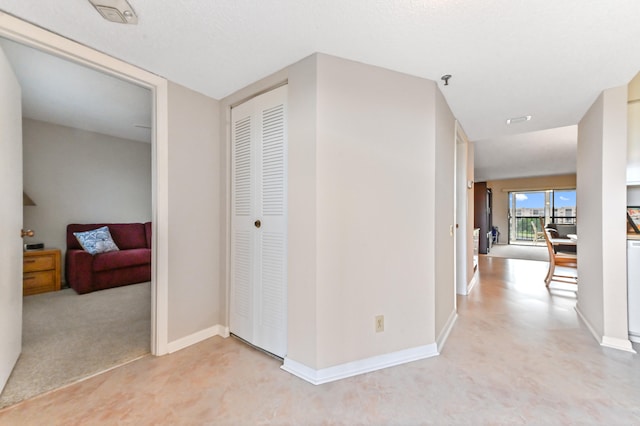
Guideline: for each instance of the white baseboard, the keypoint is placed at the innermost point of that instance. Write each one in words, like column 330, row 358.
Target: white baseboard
column 606, row 341
column 444, row 334
column 192, row 339
column 635, row 338
column 354, row 368
column 587, row 323
column 617, row 343
column 473, row 282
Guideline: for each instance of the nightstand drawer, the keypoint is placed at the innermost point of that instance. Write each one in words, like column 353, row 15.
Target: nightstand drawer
column 38, row 282
column 39, row 263
column 40, row 271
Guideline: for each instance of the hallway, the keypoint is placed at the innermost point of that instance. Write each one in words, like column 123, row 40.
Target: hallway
column 518, row 354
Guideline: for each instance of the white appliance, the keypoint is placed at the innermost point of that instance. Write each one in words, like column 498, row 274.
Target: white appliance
column 633, row 289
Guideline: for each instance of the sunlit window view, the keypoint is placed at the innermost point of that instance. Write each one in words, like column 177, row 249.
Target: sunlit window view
column 530, row 211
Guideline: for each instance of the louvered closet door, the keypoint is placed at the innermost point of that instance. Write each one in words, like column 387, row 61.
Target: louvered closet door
column 259, row 206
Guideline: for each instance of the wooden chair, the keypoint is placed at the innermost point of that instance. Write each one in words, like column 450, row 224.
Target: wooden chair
column 559, row 259
column 537, row 235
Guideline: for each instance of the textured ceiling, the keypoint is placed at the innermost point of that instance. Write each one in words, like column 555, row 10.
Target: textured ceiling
column 546, row 58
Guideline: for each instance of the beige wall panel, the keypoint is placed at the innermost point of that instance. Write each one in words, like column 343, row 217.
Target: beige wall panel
column 375, row 210
column 445, row 192
column 602, row 298
column 194, row 213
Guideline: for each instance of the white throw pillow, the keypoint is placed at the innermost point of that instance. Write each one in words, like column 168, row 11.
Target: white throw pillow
column 96, row 241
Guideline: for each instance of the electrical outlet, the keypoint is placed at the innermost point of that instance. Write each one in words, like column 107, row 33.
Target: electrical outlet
column 379, row 323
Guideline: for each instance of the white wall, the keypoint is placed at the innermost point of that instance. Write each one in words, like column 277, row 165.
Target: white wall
column 445, row 192
column 375, row 215
column 601, row 197
column 303, row 205
column 194, row 238
column 75, row 176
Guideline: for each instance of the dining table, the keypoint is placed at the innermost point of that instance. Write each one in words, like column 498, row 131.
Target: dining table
column 571, row 241
column 565, row 245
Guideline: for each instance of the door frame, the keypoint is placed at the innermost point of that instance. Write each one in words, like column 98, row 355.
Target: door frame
column 464, row 259
column 267, row 84
column 27, row 34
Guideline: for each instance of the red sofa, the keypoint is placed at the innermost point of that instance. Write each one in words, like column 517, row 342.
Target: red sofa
column 131, row 264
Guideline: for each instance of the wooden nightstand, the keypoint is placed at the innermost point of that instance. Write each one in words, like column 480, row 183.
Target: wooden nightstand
column 41, row 271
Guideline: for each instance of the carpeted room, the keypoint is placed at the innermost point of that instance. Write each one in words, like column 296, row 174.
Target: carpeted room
column 68, row 337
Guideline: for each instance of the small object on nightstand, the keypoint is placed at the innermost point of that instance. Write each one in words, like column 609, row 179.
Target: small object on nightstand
column 41, row 271
column 33, row 246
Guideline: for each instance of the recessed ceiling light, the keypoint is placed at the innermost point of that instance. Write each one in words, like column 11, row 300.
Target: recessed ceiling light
column 516, row 120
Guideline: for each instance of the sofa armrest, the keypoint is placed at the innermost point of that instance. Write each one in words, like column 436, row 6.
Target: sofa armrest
column 79, row 270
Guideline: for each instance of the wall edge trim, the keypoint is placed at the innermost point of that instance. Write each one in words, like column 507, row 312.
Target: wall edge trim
column 617, row 343
column 354, row 368
column 197, row 337
column 446, row 330
column 472, row 282
column 606, row 341
column 588, row 324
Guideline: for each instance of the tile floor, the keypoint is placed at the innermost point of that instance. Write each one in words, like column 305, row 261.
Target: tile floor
column 517, row 355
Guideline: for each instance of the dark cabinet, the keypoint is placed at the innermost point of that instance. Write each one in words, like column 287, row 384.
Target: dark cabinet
column 482, row 206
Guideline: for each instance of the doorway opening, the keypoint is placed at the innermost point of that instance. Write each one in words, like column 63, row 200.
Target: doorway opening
column 19, row 31
column 67, row 119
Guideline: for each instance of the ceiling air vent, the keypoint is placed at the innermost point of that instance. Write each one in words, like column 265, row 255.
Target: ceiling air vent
column 516, row 120
column 119, row 11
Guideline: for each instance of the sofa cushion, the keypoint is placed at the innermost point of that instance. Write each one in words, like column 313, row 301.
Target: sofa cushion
column 121, row 259
column 563, row 229
column 96, row 240
column 128, row 235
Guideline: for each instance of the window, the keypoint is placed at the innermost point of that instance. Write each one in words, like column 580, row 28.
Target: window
column 564, row 206
column 526, row 209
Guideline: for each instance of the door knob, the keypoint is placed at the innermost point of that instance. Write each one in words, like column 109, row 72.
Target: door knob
column 27, row 233
column 257, row 223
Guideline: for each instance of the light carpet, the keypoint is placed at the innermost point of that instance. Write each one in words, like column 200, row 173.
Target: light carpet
column 514, row 251
column 67, row 337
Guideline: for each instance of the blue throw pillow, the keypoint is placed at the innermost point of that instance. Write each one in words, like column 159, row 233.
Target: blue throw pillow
column 96, row 241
